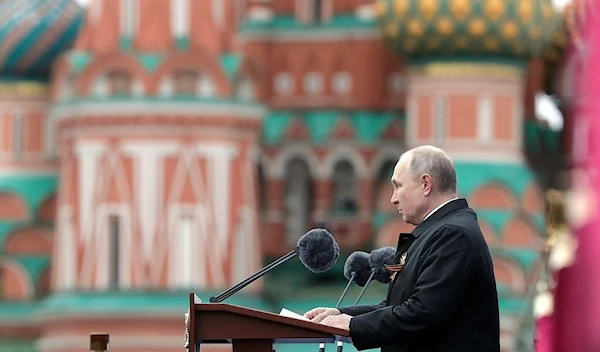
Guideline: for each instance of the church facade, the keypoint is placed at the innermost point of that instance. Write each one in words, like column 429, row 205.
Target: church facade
column 151, row 149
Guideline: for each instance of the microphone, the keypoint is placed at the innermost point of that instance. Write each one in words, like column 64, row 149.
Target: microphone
column 377, row 261
column 316, row 249
column 362, row 268
column 356, row 269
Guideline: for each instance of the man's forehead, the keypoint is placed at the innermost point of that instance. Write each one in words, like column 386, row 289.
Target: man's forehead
column 398, row 170
column 402, row 163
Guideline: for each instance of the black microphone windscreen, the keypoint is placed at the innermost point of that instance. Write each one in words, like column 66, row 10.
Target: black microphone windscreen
column 379, row 258
column 358, row 263
column 318, row 250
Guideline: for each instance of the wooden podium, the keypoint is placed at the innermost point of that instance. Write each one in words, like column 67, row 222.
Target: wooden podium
column 250, row 330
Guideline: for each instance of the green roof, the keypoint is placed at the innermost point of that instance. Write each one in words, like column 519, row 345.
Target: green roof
column 33, row 189
column 472, row 175
column 34, row 265
column 496, row 219
column 290, row 23
column 80, row 60
column 6, row 228
column 368, row 125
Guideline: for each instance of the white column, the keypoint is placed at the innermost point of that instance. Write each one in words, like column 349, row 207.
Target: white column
column 129, row 17
column 148, row 163
column 485, row 120
column 180, row 18
column 219, row 158
column 66, row 250
column 88, row 154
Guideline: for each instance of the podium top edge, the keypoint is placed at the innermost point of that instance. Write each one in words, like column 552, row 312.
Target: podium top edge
column 260, row 314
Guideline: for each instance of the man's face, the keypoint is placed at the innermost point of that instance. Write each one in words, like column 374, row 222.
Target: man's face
column 408, row 195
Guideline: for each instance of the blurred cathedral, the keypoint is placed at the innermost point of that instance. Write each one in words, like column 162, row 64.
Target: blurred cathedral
column 153, row 148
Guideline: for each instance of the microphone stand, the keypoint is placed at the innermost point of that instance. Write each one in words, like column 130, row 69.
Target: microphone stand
column 346, row 289
column 365, row 286
column 229, row 292
column 339, row 343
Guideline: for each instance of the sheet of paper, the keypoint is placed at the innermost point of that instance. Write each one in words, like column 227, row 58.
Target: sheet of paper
column 288, row 313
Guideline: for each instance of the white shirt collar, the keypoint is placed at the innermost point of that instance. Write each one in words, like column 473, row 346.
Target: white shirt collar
column 438, row 207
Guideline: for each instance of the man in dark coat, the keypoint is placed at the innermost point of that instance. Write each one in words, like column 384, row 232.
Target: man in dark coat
column 443, row 293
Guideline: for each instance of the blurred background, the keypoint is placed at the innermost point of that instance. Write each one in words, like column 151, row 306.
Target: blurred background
column 152, row 148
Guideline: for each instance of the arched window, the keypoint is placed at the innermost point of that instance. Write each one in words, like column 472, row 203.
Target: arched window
column 193, row 83
column 245, row 89
column 165, row 89
column 186, row 82
column 345, row 187
column 298, row 199
column 206, row 87
column 119, row 83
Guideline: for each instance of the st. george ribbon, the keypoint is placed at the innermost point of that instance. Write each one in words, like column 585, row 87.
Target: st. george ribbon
column 316, row 249
column 378, row 259
column 361, row 268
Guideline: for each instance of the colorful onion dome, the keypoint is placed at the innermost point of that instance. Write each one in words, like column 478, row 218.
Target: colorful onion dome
column 499, row 28
column 34, row 32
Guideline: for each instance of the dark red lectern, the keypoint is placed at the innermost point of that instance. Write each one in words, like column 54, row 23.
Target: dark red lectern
column 250, row 330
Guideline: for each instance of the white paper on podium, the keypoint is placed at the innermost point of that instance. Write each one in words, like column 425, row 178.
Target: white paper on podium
column 288, row 313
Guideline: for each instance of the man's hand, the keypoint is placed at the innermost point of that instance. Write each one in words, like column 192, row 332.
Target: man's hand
column 341, row 321
column 318, row 314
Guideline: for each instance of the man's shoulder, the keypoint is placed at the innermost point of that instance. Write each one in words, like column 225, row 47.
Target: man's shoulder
column 462, row 223
column 462, row 220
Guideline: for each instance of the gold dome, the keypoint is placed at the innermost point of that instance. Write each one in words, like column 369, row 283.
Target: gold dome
column 468, row 27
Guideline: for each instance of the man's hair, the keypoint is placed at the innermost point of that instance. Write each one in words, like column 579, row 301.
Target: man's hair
column 435, row 162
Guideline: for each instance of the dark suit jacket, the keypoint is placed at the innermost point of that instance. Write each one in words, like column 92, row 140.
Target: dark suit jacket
column 444, row 299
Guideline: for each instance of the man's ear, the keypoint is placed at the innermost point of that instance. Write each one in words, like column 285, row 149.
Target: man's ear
column 427, row 184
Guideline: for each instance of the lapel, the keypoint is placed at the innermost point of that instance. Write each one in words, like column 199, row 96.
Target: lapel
column 405, row 240
column 451, row 207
